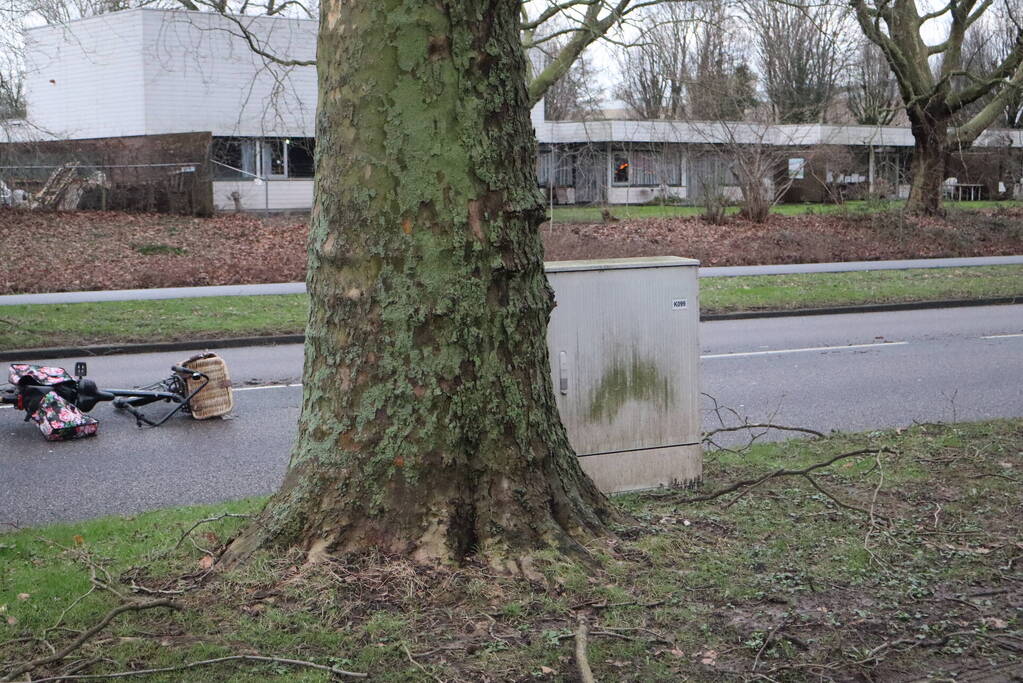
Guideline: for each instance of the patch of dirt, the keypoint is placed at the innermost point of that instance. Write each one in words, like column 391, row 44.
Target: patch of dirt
column 794, row 239
column 88, row 250
column 70, row 251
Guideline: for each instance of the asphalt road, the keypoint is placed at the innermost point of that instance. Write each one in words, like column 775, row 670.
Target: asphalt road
column 846, row 372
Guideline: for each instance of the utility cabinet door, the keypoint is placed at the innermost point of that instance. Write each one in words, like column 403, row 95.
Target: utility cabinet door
column 624, row 350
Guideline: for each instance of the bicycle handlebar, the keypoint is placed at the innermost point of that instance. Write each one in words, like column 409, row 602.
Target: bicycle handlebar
column 187, row 371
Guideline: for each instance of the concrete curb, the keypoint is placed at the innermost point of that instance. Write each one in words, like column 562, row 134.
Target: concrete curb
column 235, row 342
column 865, row 308
column 148, row 347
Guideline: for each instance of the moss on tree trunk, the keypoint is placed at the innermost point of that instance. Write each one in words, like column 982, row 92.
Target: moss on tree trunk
column 428, row 424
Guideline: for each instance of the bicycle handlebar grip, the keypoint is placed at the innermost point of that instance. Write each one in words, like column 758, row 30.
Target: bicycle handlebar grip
column 187, row 371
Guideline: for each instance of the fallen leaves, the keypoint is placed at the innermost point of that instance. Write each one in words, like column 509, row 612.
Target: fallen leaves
column 90, row 250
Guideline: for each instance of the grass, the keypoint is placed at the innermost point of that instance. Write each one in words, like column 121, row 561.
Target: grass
column 159, row 249
column 783, row 581
column 786, row 292
column 592, row 214
column 51, row 325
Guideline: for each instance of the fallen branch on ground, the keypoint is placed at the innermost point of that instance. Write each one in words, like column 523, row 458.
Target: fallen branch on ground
column 762, row 425
column 785, row 473
column 208, row 662
column 581, row 660
column 207, row 521
column 86, row 635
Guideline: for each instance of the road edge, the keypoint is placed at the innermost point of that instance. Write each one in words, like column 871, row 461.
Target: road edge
column 273, row 340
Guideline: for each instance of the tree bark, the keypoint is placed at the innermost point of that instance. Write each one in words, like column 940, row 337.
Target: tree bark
column 927, row 168
column 428, row 425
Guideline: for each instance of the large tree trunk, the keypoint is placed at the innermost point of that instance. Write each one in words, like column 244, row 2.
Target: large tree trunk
column 927, row 169
column 428, row 423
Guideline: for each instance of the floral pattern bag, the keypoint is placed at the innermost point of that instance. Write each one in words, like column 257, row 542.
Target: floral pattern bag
column 59, row 420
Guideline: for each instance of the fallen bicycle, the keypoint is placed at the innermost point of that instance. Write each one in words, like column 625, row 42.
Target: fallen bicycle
column 59, row 402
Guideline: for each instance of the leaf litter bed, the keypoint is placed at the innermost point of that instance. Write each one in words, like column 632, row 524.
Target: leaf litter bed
column 71, row 251
column 902, row 562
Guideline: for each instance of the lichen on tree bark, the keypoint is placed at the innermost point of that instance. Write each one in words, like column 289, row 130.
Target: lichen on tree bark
column 428, row 424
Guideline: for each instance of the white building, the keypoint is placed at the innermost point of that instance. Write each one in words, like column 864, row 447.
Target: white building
column 152, row 72
column 146, row 72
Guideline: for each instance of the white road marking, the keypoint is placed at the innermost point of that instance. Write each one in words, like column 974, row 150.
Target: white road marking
column 267, row 386
column 1002, row 336
column 806, row 350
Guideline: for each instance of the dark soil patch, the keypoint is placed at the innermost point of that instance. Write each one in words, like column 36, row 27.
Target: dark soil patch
column 53, row 252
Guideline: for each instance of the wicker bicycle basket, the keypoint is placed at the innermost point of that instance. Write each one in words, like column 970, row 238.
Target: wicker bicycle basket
column 216, row 398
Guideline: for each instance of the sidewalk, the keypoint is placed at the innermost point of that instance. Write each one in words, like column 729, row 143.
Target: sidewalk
column 299, row 287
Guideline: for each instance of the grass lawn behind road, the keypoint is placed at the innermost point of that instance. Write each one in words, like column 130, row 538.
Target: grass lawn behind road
column 592, row 214
column 51, row 325
column 903, row 564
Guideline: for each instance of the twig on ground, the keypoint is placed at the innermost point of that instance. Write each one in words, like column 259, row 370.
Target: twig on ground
column 836, row 501
column 582, row 661
column 767, row 641
column 762, row 425
column 87, row 634
column 593, row 604
column 418, row 665
column 60, row 619
column 207, row 520
column 873, row 503
column 786, row 473
column 208, row 662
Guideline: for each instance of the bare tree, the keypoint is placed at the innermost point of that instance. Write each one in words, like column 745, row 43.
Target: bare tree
column 655, row 70
column 12, row 96
column 933, row 97
column 801, row 53
column 722, row 86
column 873, row 93
column 576, row 94
column 988, row 44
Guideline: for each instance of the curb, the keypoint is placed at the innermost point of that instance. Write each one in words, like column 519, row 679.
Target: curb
column 235, row 342
column 148, row 347
column 866, row 308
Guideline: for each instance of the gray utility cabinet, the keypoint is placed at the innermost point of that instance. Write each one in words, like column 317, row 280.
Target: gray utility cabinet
column 625, row 358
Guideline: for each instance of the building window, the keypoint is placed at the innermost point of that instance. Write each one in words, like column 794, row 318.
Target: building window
column 249, row 158
column 234, row 159
column 648, row 168
column 301, row 157
column 275, row 159
column 621, row 168
column 797, row 168
column 556, row 164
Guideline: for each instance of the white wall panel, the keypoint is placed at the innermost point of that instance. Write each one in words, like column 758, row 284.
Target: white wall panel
column 84, row 79
column 200, row 75
column 275, row 195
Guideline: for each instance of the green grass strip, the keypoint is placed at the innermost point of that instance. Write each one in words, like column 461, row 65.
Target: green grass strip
column 120, row 322
column 817, row 290
column 50, row 325
column 592, row 214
